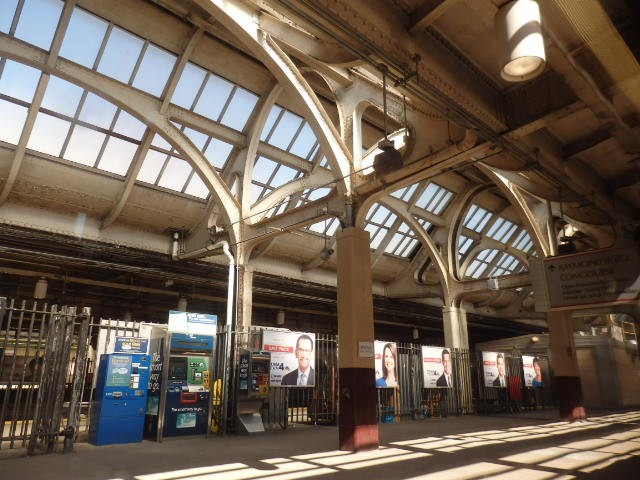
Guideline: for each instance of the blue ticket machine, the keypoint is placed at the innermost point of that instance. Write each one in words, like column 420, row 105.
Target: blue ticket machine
column 118, row 411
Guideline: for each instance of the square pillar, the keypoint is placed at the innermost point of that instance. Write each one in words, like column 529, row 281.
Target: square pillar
column 357, row 416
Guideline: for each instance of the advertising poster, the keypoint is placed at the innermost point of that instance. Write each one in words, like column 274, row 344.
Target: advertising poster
column 292, row 357
column 386, row 361
column 532, row 369
column 436, row 367
column 494, row 368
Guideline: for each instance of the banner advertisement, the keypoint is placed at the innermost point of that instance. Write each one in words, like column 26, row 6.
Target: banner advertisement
column 386, row 361
column 292, row 357
column 436, row 367
column 494, row 369
column 532, row 369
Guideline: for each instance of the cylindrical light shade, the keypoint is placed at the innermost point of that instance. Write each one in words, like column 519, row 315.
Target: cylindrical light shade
column 520, row 43
column 182, row 304
column 40, row 290
column 415, row 334
column 280, row 317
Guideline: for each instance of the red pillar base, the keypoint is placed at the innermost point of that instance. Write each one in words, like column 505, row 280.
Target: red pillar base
column 569, row 395
column 358, row 422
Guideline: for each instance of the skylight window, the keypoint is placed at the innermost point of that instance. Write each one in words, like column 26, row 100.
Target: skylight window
column 493, row 263
column 523, row 241
column 290, row 132
column 501, row 230
column 269, row 175
column 62, row 96
column 38, row 22
column 434, row 199
column 378, row 221
column 426, row 224
column 405, row 193
column 19, row 81
column 214, row 97
column 83, row 38
column 403, row 243
column 12, row 118
column 464, row 244
column 477, row 217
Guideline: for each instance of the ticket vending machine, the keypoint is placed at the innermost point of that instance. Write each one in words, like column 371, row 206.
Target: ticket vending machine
column 118, row 411
column 254, row 370
column 188, row 388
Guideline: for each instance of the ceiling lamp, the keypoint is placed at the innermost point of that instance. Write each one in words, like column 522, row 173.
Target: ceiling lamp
column 40, row 290
column 182, row 304
column 280, row 317
column 415, row 333
column 389, row 158
column 519, row 37
column 326, row 252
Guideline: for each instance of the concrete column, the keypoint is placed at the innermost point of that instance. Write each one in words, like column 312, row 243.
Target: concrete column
column 455, row 327
column 358, row 424
column 244, row 292
column 566, row 375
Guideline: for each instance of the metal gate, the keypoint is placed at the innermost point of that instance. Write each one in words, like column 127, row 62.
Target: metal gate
column 43, row 352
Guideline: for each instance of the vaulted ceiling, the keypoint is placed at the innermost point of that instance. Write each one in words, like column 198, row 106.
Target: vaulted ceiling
column 135, row 134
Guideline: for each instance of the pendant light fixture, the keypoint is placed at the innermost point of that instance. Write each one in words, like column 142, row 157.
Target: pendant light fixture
column 326, row 252
column 389, row 158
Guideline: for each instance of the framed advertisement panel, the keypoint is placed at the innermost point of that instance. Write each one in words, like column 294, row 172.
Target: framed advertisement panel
column 386, row 361
column 493, row 368
column 436, row 367
column 292, row 357
column 532, row 369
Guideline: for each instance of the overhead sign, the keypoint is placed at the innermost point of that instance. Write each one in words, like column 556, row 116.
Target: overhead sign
column 603, row 277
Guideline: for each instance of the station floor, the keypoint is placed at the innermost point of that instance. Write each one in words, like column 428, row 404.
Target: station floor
column 524, row 446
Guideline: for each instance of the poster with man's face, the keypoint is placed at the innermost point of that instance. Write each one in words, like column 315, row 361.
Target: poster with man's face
column 386, row 361
column 436, row 367
column 494, row 369
column 292, row 357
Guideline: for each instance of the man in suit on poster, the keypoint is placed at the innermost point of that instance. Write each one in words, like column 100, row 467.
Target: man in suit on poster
column 500, row 380
column 304, row 374
column 444, row 380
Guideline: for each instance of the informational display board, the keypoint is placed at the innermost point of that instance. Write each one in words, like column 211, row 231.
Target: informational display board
column 290, row 352
column 601, row 277
column 131, row 345
column 386, row 364
column 190, row 322
column 492, row 363
column 436, row 367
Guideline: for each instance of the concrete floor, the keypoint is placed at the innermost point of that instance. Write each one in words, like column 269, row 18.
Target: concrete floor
column 532, row 445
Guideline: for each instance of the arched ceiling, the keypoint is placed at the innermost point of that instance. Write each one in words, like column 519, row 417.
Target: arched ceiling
column 123, row 122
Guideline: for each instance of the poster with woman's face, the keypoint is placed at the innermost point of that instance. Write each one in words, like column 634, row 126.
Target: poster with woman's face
column 532, row 370
column 386, row 364
column 292, row 357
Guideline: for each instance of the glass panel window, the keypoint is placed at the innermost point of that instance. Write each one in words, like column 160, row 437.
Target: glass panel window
column 304, row 143
column 426, row 224
column 154, row 70
column 38, row 22
column 405, row 193
column 84, row 146
column 217, row 153
column 188, row 86
column 117, row 156
column 523, row 241
column 19, row 81
column 48, row 134
column 464, row 245
column 120, row 55
column 175, row 174
column 83, row 38
column 477, row 217
column 285, row 130
column 62, row 96
column 271, row 120
column 263, row 169
column 153, row 163
column 12, row 118
column 501, row 230
column 240, row 108
column 434, row 199
column 197, row 187
column 213, row 97
column 283, row 176
column 129, row 126
column 199, row 139
column 7, row 11
column 97, row 111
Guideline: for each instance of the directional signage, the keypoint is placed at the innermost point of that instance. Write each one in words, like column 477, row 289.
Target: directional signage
column 602, row 277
